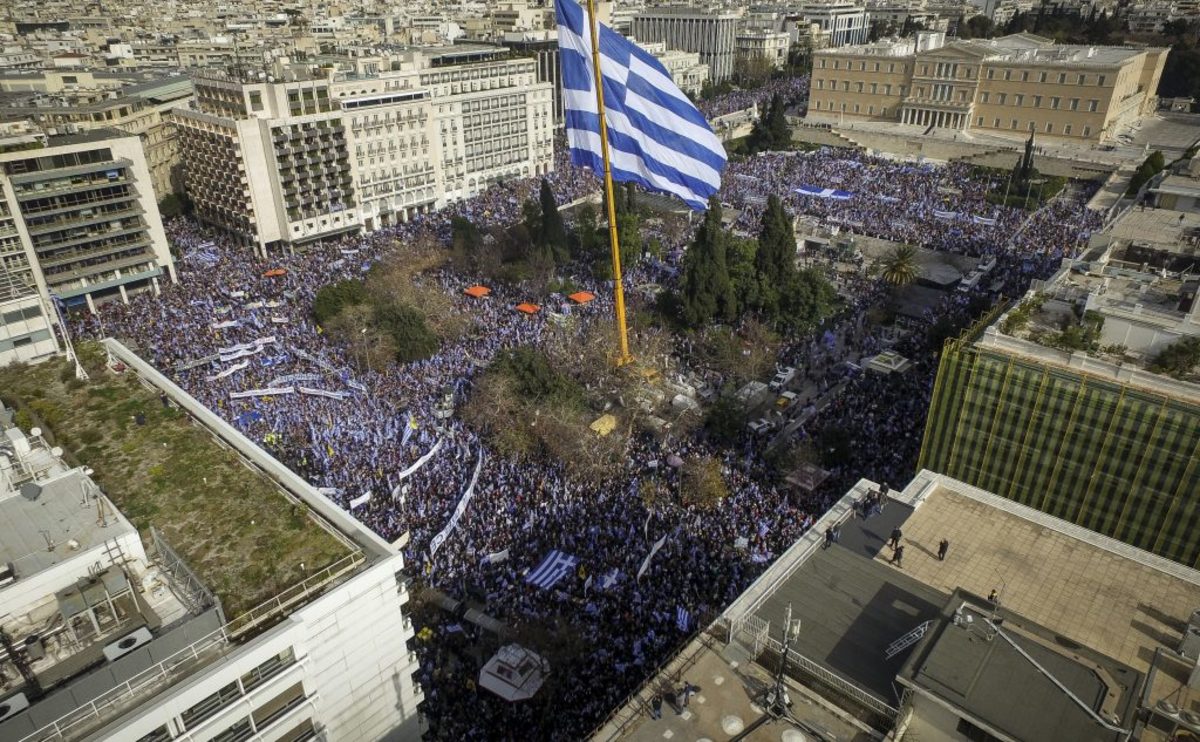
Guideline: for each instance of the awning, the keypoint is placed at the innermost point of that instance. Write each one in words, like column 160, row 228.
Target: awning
column 478, row 291
column 528, row 308
column 582, row 297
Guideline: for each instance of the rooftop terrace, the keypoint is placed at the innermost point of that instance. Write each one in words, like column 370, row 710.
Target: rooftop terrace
column 232, row 525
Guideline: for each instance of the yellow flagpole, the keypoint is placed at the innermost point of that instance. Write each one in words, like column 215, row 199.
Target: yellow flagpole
column 624, row 357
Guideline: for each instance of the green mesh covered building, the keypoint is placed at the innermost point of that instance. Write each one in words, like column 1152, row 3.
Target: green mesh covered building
column 1100, row 445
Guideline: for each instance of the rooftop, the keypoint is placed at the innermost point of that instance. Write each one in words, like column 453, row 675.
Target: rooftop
column 1088, row 610
column 244, row 540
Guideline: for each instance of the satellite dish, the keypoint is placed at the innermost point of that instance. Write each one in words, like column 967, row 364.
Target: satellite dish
column 793, row 735
column 35, row 431
column 56, row 451
column 31, row 490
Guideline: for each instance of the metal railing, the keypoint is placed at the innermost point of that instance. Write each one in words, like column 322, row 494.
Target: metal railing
column 313, row 584
column 130, row 693
column 797, row 661
column 189, row 588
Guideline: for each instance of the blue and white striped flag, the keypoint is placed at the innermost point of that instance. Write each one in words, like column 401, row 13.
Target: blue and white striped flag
column 656, row 137
column 553, row 568
column 683, row 619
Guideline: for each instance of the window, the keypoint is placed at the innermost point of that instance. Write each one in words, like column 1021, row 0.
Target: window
column 991, row 74
column 836, row 62
column 1100, row 80
column 856, row 108
column 979, row 121
column 1014, row 123
column 1037, row 101
column 858, row 88
column 1067, row 130
column 1092, row 105
column 996, row 123
column 1082, row 79
column 1024, row 76
column 891, row 66
column 877, row 66
column 1074, row 104
column 887, row 89
column 874, row 88
column 1018, row 100
column 983, row 98
column 1049, row 128
column 1001, row 97
column 1087, row 131
column 822, row 63
column 256, row 103
column 870, row 110
column 1007, row 74
column 820, row 86
column 1054, row 103
column 1042, row 77
column 862, row 66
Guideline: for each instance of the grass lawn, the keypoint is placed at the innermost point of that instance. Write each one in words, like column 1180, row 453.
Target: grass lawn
column 231, row 525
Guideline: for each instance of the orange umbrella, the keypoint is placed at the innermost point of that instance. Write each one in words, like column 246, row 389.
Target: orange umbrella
column 275, row 272
column 582, row 297
column 478, row 291
column 528, row 308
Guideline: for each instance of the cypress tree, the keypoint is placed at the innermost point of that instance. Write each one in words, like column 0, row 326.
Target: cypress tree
column 707, row 293
column 553, row 233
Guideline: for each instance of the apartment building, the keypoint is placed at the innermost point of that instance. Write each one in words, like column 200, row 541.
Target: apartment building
column 711, row 34
column 1013, row 86
column 362, row 143
column 85, row 217
column 686, row 69
column 770, row 47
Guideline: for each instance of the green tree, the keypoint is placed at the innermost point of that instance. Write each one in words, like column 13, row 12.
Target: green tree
column 464, row 235
column 775, row 260
column 725, row 420
column 706, row 292
column 900, row 265
column 629, row 236
column 585, row 234
column 334, row 297
column 553, row 234
column 406, row 326
column 806, row 299
column 1179, row 359
column 531, row 218
column 747, row 283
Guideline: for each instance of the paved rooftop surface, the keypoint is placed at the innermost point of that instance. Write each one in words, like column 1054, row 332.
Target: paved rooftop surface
column 1154, row 225
column 1118, row 606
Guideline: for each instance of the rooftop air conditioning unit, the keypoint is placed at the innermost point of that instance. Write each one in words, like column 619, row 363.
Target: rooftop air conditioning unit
column 1189, row 646
column 12, row 706
column 127, row 644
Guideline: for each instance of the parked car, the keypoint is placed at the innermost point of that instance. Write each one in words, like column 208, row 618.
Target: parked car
column 782, row 378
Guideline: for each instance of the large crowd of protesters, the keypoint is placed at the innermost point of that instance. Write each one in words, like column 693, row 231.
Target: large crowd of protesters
column 372, row 439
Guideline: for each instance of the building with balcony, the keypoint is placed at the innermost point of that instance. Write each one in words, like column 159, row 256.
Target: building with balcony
column 711, row 34
column 1010, row 86
column 86, row 218
column 305, row 154
column 26, row 328
column 114, row 634
column 763, row 47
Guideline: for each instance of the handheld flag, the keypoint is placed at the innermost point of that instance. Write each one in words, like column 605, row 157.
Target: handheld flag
column 553, row 568
column 656, row 137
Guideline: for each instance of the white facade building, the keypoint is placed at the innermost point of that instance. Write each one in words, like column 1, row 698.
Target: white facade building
column 317, row 152
column 686, row 69
column 843, row 22
column 713, row 35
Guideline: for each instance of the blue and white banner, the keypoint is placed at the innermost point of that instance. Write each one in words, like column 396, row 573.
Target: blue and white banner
column 185, row 365
column 554, row 567
column 985, row 221
column 294, row 378
column 409, row 427
column 656, row 137
column 945, row 214
column 461, row 508
column 610, row 578
column 835, row 194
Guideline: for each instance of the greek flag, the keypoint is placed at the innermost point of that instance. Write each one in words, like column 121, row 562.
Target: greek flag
column 656, row 137
column 553, row 568
column 683, row 619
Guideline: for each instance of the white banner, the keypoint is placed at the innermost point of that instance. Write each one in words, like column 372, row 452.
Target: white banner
column 653, row 550
column 293, row 378
column 226, row 323
column 439, row 539
column 322, row 392
column 185, row 365
column 229, row 371
column 272, row 391
column 313, row 359
column 495, row 557
column 280, row 320
column 361, row 500
column 419, row 463
column 254, row 305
